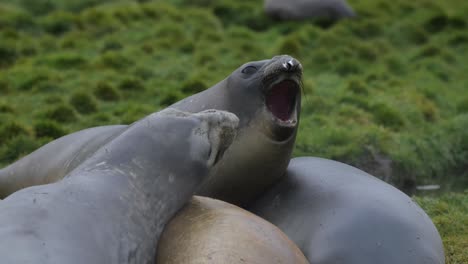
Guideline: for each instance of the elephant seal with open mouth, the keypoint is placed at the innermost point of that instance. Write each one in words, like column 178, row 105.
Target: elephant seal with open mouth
column 265, row 95
column 113, row 207
column 315, row 202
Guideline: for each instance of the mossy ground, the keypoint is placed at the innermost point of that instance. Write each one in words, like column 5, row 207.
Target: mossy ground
column 386, row 92
column 449, row 212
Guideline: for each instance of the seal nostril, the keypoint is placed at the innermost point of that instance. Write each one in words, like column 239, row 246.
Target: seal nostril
column 290, row 65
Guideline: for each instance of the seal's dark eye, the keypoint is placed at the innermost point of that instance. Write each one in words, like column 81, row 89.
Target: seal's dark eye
column 249, row 70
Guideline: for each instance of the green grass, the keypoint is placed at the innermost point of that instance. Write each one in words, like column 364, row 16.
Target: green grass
column 449, row 212
column 387, row 88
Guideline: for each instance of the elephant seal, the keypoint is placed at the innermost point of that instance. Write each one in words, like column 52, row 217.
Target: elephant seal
column 303, row 9
column 56, row 159
column 336, row 213
column 211, row 231
column 266, row 97
column 112, row 208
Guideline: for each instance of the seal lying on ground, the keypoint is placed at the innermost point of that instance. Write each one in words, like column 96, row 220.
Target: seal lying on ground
column 56, row 159
column 336, row 213
column 112, row 207
column 303, row 9
column 211, row 231
column 265, row 95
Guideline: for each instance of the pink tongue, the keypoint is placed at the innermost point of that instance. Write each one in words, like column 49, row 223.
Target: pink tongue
column 279, row 100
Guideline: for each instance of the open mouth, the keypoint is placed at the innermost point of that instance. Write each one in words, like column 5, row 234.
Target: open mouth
column 281, row 100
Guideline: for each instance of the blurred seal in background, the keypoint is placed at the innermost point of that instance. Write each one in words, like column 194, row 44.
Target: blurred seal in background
column 304, row 9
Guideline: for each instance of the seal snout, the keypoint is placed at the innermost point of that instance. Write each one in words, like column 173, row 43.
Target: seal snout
column 282, row 82
column 288, row 65
column 292, row 65
column 285, row 63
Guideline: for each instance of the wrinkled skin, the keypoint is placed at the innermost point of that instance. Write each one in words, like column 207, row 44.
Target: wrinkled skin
column 113, row 207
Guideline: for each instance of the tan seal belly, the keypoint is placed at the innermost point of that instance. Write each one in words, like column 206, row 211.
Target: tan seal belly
column 211, row 231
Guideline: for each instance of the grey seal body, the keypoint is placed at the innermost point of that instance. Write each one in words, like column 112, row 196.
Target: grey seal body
column 336, row 214
column 112, row 207
column 303, row 9
column 265, row 95
column 54, row 160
